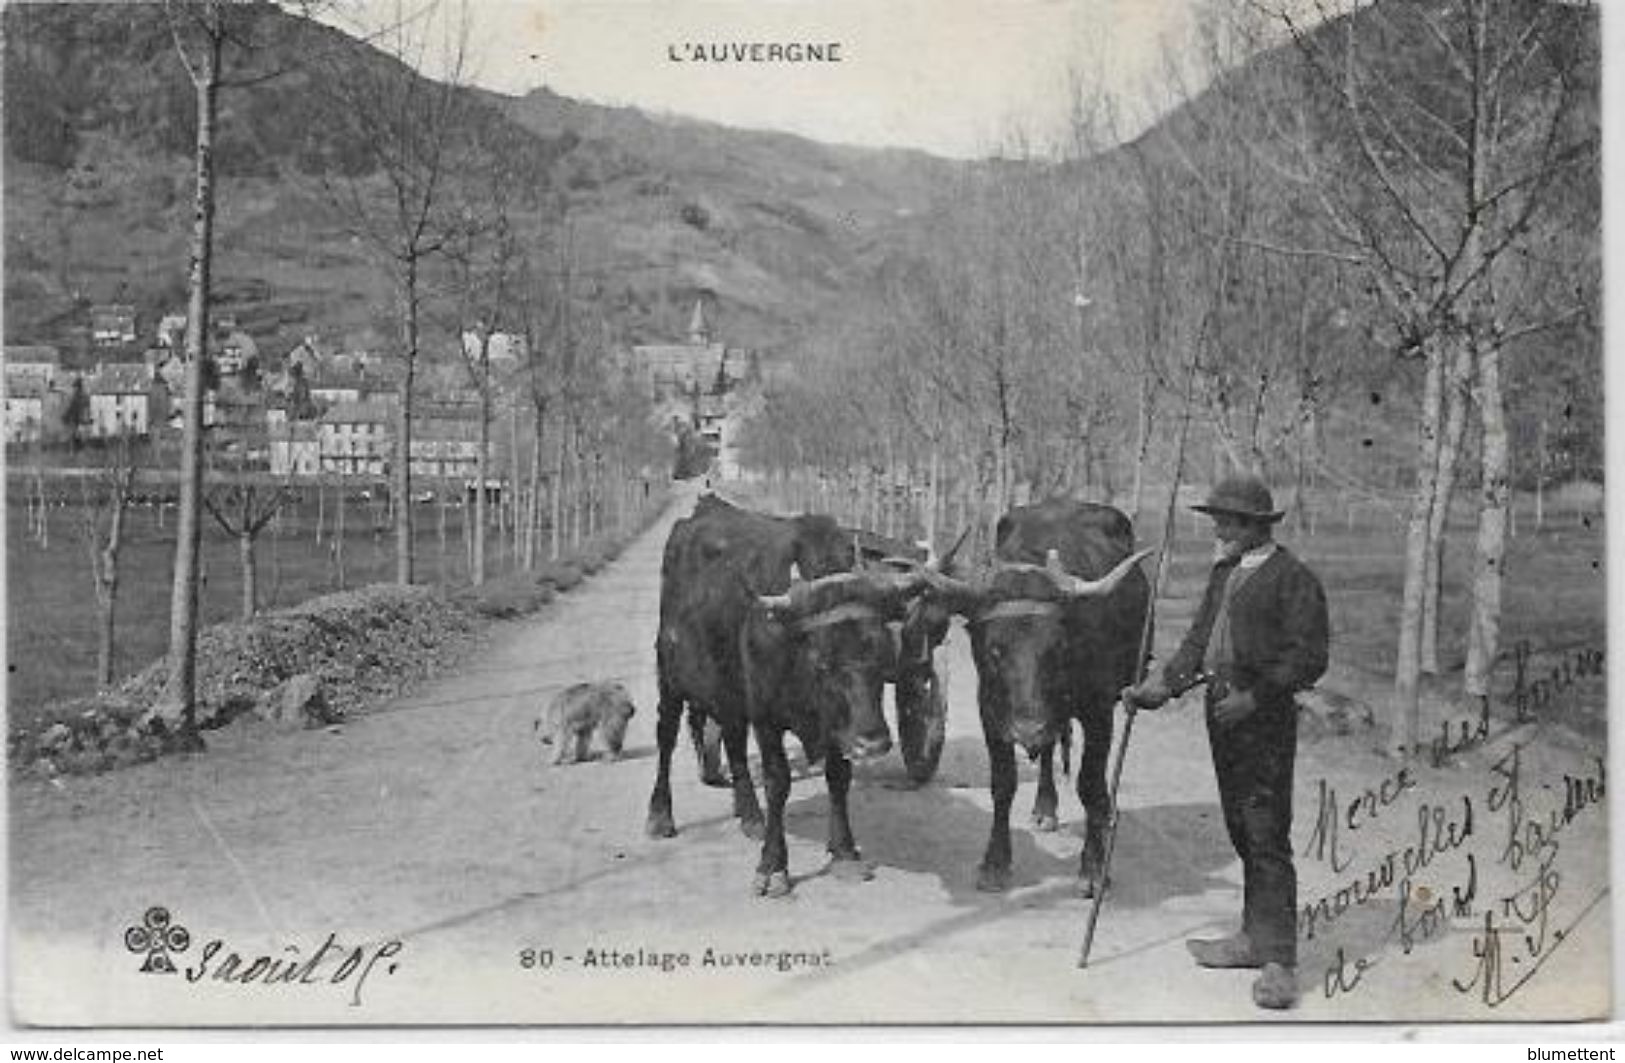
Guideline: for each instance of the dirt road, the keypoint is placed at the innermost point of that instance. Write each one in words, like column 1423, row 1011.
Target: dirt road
column 471, row 882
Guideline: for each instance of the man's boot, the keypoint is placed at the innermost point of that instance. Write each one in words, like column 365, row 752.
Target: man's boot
column 1233, row 951
column 1277, row 987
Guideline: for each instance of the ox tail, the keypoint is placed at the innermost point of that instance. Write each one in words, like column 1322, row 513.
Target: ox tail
column 1066, row 749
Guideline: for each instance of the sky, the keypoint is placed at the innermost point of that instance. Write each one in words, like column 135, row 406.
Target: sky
column 953, row 77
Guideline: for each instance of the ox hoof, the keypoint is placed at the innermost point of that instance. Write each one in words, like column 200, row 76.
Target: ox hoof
column 772, row 884
column 752, row 827
column 992, row 879
column 660, row 826
column 851, row 869
column 1046, row 822
column 719, row 780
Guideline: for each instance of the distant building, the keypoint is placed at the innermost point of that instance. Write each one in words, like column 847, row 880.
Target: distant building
column 32, row 362
column 172, row 331
column 295, row 448
column 699, row 382
column 446, row 440
column 112, row 324
column 27, row 402
column 701, row 364
column 121, row 401
column 506, row 350
column 237, row 350
column 354, row 439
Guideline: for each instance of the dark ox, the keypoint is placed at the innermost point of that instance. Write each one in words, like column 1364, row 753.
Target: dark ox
column 910, row 667
column 1047, row 654
column 736, row 647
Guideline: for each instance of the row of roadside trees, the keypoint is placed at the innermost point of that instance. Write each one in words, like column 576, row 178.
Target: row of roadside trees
column 459, row 214
column 1374, row 223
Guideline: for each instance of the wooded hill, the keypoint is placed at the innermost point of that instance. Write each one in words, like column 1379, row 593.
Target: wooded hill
column 100, row 121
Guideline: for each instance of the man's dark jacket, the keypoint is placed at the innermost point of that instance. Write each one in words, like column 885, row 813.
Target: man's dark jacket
column 1278, row 631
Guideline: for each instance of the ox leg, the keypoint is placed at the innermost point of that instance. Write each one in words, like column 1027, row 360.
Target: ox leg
column 660, row 823
column 1096, row 798
column 773, row 870
column 707, row 739
column 845, row 860
column 1045, row 817
column 736, row 740
column 993, row 876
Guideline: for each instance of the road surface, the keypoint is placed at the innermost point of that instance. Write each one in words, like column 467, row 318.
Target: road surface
column 436, row 868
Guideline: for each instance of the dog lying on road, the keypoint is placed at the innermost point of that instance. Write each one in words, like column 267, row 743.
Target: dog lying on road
column 581, row 712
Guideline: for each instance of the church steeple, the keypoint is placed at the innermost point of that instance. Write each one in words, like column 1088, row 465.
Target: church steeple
column 699, row 329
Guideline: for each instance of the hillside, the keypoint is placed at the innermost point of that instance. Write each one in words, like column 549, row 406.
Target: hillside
column 98, row 178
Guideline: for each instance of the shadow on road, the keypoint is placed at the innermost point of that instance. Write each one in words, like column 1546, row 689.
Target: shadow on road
column 1163, row 852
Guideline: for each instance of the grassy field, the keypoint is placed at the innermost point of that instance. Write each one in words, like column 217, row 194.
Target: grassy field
column 51, row 618
column 1555, row 592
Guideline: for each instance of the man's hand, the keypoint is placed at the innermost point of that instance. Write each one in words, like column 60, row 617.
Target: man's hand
column 1234, row 707
column 1151, row 694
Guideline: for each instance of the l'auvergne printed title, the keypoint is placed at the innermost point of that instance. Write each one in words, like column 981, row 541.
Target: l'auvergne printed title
column 718, row 53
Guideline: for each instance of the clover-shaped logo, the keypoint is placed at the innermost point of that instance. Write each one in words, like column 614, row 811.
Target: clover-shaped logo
column 157, row 936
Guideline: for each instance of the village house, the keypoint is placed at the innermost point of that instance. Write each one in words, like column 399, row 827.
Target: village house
column 446, row 440
column 121, row 401
column 29, row 401
column 354, row 439
column 172, row 331
column 238, row 425
column 506, row 351
column 112, row 324
column 295, row 448
column 699, row 383
column 36, row 362
column 237, row 350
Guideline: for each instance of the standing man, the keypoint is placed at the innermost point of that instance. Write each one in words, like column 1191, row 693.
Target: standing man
column 1259, row 636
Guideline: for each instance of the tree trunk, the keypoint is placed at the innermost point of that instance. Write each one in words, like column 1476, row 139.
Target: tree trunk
column 933, row 494
column 177, row 706
column 1142, row 445
column 1484, row 632
column 560, row 456
column 511, row 493
column 107, row 588
column 533, row 520
column 338, row 534
column 440, row 523
column 1455, row 400
column 245, row 554
column 1407, row 664
column 482, row 462
column 401, row 475
column 1540, row 477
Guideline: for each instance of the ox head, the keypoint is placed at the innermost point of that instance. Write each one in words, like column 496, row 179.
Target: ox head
column 843, row 650
column 1019, row 619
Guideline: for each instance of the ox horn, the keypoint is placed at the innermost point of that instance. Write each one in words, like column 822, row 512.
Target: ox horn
column 782, row 601
column 1074, row 587
column 941, row 564
column 801, row 589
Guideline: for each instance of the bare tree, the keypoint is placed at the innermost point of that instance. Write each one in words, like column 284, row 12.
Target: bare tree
column 488, row 254
column 409, row 130
column 1448, row 134
column 243, row 509
column 103, row 532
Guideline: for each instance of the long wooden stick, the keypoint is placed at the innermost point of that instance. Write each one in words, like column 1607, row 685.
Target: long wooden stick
column 1146, row 630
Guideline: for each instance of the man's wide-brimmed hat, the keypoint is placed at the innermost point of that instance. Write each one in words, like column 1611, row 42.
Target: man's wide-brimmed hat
column 1242, row 496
